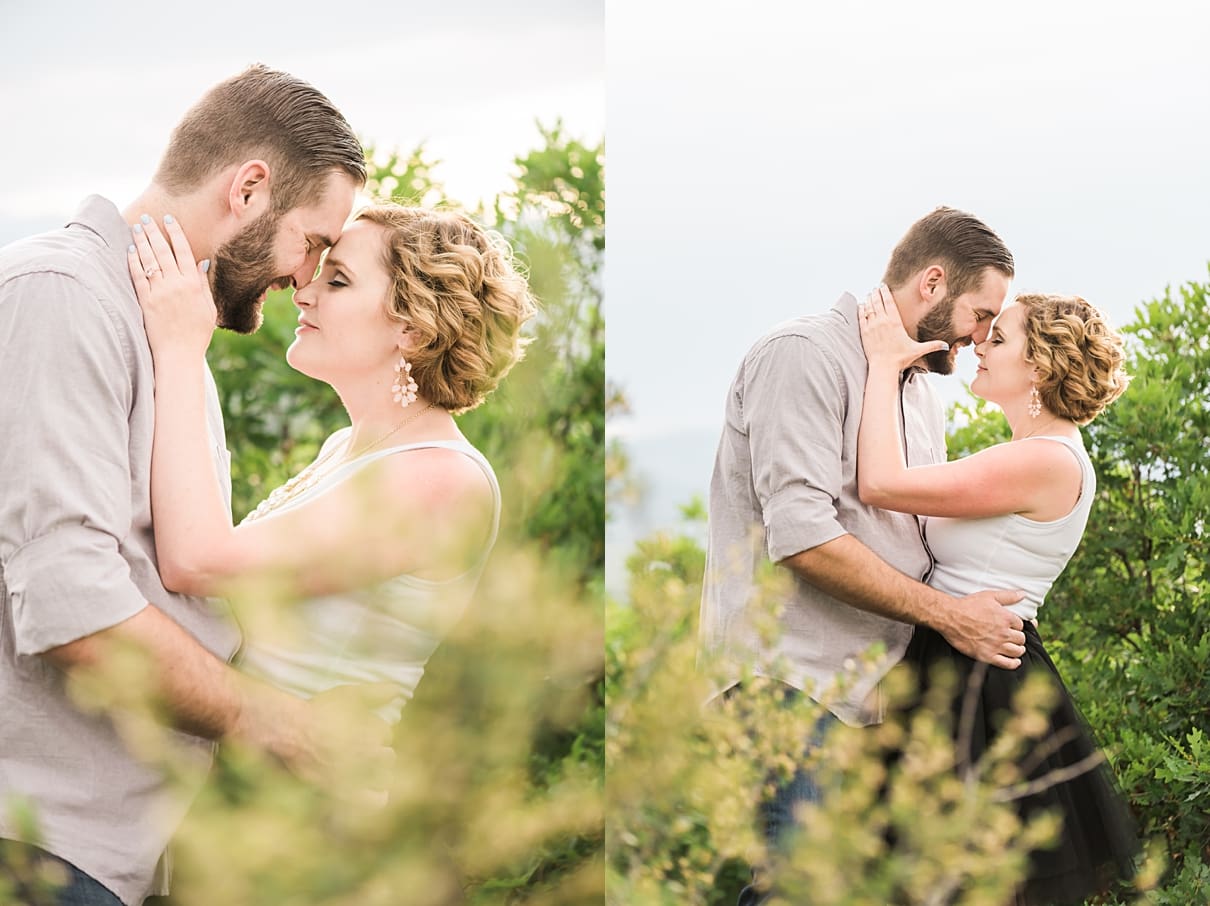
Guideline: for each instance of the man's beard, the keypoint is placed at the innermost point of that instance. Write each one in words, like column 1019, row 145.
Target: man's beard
column 938, row 324
column 243, row 272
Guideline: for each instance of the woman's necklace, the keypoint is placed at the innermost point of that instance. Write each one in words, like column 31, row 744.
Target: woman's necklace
column 1034, row 433
column 366, row 449
column 314, row 473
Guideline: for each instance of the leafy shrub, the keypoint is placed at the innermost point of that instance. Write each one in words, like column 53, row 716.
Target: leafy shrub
column 1128, row 624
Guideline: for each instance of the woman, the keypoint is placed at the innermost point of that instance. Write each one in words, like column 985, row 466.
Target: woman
column 1011, row 516
column 414, row 317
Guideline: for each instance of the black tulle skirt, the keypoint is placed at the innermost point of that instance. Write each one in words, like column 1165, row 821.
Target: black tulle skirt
column 1099, row 841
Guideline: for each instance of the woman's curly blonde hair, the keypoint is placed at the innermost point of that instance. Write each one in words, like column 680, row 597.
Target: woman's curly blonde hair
column 1077, row 353
column 458, row 287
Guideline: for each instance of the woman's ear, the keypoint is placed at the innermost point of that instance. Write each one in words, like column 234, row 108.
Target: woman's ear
column 408, row 340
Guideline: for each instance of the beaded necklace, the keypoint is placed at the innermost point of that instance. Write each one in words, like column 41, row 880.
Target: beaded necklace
column 313, row 474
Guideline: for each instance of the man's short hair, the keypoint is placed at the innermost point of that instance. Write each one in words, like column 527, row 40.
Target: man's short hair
column 961, row 243
column 266, row 114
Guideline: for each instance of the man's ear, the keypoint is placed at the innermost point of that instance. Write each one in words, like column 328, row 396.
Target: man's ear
column 932, row 284
column 248, row 193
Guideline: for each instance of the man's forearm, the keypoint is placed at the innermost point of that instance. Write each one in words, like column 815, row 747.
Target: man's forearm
column 849, row 571
column 979, row 625
column 203, row 694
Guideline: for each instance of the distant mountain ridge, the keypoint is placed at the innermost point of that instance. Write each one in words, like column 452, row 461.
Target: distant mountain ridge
column 669, row 470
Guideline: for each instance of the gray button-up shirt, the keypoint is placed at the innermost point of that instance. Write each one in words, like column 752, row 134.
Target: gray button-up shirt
column 785, row 481
column 77, row 553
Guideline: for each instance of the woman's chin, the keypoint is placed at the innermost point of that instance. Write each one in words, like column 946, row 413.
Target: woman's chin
column 297, row 360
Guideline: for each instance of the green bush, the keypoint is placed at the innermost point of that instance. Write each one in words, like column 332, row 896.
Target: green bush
column 1127, row 624
column 684, row 780
column 1130, row 621
column 497, row 792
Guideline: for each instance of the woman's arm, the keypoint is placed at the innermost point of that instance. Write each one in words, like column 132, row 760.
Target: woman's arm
column 188, row 507
column 426, row 512
column 190, row 515
column 1006, row 478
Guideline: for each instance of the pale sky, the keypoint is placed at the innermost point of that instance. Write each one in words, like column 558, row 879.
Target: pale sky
column 766, row 156
column 763, row 159
column 90, row 91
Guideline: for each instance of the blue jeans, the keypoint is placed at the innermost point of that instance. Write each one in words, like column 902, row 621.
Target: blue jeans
column 777, row 812
column 80, row 889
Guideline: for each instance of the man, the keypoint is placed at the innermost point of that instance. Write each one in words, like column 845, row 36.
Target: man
column 261, row 173
column 784, row 490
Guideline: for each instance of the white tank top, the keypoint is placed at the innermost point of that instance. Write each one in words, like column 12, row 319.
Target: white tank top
column 1010, row 551
column 380, row 634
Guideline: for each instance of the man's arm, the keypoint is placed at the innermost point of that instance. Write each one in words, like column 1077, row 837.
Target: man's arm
column 795, row 411
column 204, row 696
column 66, row 392
column 331, row 739
column 978, row 625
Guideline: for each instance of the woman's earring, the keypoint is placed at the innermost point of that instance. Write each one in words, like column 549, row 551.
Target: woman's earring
column 1035, row 401
column 404, row 387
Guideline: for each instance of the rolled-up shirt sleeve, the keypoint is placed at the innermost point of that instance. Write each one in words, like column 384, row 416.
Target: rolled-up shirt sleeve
column 793, row 409
column 65, row 504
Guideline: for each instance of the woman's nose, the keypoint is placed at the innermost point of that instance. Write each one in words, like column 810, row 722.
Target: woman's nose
column 303, row 297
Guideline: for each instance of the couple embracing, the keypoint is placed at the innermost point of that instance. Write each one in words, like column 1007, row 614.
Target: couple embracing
column 832, row 465
column 109, row 415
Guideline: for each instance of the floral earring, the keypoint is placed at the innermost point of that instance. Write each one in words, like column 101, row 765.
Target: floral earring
column 1035, row 401
column 404, row 388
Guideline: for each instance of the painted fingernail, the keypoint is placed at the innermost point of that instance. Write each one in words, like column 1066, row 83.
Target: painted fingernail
column 130, row 249
column 945, row 347
column 206, row 265
column 145, row 219
column 168, row 218
column 138, row 227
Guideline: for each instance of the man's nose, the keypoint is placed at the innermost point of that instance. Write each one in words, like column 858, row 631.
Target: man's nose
column 306, row 271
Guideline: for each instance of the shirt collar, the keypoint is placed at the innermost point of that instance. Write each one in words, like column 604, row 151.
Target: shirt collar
column 103, row 217
column 847, row 306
